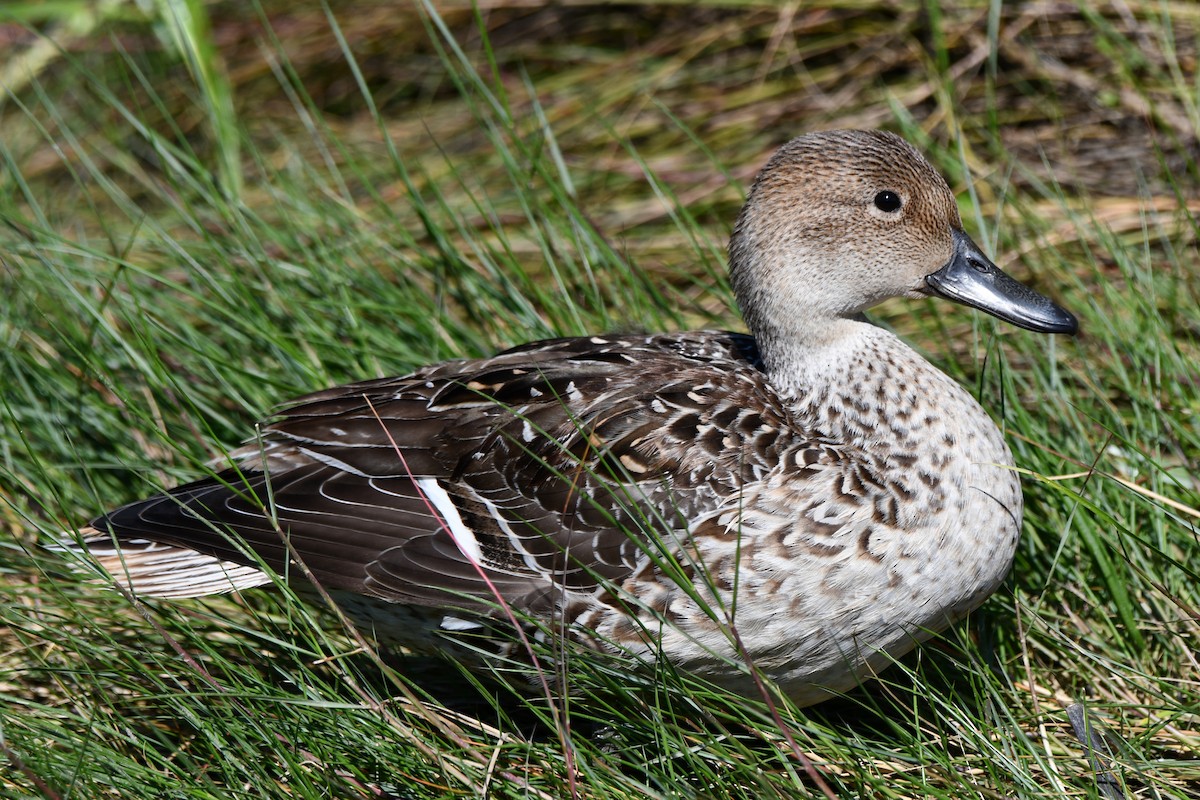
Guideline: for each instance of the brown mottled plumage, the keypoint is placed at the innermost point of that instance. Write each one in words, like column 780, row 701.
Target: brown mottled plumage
column 819, row 485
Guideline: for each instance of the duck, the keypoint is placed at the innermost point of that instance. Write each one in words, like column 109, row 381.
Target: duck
column 804, row 503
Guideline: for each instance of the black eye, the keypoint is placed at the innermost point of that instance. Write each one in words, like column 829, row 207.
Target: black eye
column 887, row 201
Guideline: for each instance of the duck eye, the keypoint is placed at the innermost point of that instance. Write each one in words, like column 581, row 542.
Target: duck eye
column 887, row 201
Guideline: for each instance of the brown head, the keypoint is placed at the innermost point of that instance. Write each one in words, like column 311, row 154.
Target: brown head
column 841, row 220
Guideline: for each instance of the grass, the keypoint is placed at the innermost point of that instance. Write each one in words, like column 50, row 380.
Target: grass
column 209, row 209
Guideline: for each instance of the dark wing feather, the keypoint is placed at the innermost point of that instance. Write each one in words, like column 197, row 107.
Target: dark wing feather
column 551, row 455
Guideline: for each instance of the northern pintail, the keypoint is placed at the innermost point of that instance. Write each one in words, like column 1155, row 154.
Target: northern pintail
column 816, row 486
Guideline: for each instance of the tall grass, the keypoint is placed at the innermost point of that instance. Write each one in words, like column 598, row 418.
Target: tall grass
column 207, row 213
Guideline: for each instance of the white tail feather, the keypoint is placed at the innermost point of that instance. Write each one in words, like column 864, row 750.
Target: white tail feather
column 154, row 569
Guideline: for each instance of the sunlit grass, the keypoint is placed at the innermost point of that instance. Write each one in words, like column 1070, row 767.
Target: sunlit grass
column 187, row 243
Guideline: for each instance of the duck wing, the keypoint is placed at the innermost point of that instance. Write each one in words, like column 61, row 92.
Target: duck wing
column 552, row 467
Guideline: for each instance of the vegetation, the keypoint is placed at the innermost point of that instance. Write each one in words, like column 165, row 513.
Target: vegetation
column 209, row 207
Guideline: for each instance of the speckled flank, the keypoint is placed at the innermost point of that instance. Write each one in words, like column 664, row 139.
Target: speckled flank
column 818, row 485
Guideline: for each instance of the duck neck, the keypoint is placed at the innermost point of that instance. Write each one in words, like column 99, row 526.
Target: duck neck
column 802, row 361
column 858, row 382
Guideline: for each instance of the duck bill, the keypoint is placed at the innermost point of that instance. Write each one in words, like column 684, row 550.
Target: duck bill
column 973, row 280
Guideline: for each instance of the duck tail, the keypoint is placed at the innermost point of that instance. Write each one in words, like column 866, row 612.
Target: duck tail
column 155, row 569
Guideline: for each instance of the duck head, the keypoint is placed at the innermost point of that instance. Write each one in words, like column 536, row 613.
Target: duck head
column 841, row 220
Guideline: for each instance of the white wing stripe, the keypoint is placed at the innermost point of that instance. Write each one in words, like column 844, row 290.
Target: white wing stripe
column 464, row 538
